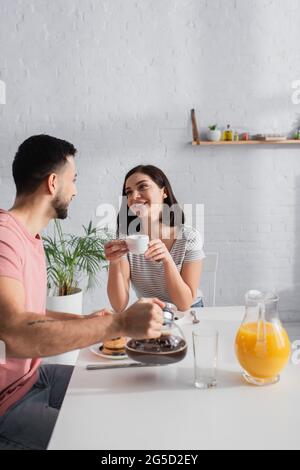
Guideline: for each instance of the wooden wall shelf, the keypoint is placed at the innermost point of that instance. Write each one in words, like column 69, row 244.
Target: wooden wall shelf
column 204, row 143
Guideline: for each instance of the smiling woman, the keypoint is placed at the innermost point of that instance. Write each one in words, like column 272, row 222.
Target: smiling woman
column 171, row 267
column 149, row 196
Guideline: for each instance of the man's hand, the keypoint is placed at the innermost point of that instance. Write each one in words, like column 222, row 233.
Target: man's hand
column 143, row 320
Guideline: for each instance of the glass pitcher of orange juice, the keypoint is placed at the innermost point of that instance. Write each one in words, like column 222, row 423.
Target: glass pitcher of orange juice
column 262, row 344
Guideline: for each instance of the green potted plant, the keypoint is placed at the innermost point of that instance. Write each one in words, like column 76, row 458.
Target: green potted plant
column 214, row 134
column 72, row 260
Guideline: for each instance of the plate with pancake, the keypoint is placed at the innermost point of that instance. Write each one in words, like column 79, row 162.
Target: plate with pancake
column 113, row 349
column 179, row 315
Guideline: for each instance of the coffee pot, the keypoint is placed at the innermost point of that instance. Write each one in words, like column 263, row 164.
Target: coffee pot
column 169, row 348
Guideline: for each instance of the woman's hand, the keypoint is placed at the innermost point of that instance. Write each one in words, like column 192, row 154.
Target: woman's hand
column 115, row 250
column 158, row 252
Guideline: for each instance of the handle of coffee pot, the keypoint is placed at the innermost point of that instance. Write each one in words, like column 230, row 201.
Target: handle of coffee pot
column 168, row 315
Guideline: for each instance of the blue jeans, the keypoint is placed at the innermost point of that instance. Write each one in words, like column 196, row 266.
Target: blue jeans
column 28, row 425
column 198, row 304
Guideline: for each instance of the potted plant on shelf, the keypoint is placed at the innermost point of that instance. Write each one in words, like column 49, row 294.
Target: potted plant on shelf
column 214, row 134
column 72, row 259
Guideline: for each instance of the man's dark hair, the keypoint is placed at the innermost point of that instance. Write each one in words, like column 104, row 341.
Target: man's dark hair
column 36, row 159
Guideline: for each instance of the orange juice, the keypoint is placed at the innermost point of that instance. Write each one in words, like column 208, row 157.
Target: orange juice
column 263, row 349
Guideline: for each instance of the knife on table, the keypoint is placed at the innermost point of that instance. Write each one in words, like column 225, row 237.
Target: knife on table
column 119, row 366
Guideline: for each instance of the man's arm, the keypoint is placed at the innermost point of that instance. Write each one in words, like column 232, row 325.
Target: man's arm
column 68, row 316
column 62, row 316
column 30, row 335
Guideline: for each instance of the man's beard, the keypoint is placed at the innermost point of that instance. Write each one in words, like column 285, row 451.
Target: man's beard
column 61, row 208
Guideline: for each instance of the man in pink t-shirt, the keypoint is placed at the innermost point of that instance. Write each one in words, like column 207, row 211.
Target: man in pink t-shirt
column 31, row 395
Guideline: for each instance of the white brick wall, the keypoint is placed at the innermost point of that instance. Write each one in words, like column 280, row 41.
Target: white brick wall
column 118, row 78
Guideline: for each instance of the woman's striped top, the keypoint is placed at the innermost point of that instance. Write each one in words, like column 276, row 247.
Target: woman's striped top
column 148, row 277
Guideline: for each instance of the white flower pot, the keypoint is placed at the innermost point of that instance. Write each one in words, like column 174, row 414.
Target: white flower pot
column 214, row 136
column 65, row 304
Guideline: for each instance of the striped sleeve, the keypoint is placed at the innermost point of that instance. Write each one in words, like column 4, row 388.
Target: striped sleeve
column 194, row 247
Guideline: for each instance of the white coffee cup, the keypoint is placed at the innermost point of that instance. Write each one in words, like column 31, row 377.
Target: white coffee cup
column 138, row 244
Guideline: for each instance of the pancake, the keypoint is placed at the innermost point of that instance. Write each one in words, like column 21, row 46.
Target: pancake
column 114, row 347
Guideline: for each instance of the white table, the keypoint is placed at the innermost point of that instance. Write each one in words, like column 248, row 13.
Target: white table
column 159, row 408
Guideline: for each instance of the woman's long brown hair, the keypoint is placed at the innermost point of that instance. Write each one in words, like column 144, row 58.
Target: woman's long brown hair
column 162, row 181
